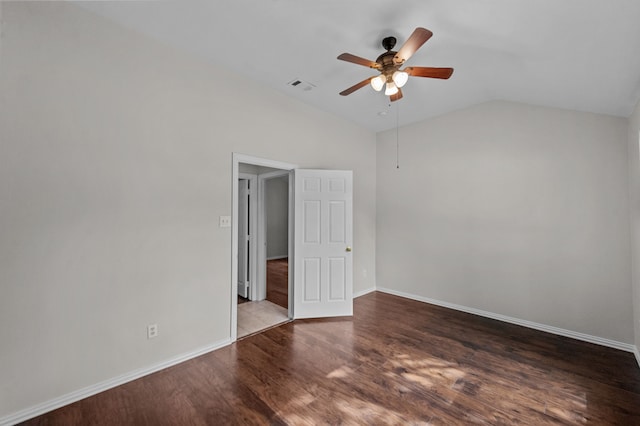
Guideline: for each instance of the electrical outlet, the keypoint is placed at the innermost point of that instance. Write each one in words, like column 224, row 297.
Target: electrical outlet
column 225, row 222
column 152, row 331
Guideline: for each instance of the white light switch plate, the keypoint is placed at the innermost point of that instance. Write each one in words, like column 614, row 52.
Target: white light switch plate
column 225, row 221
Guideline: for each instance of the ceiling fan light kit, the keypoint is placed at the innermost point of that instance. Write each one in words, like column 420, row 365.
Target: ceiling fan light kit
column 391, row 89
column 400, row 78
column 378, row 82
column 390, row 62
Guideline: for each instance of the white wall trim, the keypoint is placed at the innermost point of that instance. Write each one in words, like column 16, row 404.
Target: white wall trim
column 253, row 213
column 529, row 324
column 61, row 401
column 363, row 292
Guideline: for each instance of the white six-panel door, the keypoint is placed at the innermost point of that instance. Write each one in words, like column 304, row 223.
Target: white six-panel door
column 323, row 264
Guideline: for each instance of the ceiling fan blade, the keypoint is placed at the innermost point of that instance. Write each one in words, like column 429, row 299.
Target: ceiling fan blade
column 397, row 96
column 358, row 60
column 413, row 43
column 443, row 73
column 355, row 87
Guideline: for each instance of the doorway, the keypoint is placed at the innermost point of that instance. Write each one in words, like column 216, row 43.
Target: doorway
column 320, row 271
column 261, row 216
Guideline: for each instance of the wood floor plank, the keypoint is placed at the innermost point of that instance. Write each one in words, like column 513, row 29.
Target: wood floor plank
column 397, row 361
column 278, row 282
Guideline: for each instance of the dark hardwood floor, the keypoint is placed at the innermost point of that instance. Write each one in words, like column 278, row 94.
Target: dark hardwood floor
column 396, row 362
column 278, row 282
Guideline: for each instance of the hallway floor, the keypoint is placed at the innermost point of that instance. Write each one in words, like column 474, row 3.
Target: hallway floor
column 256, row 316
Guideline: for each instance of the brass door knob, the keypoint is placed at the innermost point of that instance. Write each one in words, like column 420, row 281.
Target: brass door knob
column 348, row 248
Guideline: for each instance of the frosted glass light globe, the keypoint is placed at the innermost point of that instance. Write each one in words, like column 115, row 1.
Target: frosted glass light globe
column 391, row 89
column 400, row 78
column 377, row 83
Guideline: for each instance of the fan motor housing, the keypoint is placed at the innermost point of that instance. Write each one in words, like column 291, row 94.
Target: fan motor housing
column 387, row 63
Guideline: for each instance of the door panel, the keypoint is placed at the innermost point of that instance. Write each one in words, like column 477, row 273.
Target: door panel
column 337, row 220
column 312, row 222
column 337, row 278
column 311, row 279
column 323, row 263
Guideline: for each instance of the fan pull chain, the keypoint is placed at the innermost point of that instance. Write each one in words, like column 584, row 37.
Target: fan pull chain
column 397, row 136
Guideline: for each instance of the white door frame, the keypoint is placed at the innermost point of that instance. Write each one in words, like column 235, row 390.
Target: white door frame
column 253, row 231
column 256, row 161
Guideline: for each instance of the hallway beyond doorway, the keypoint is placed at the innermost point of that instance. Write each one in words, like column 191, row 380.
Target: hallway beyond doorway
column 278, row 282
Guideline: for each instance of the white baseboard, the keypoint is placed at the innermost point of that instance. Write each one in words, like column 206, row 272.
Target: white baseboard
column 278, row 257
column 363, row 292
column 536, row 326
column 79, row 394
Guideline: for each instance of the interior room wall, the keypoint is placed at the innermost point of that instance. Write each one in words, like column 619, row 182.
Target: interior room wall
column 634, row 211
column 1, row 34
column 115, row 164
column 510, row 209
column 248, row 168
column 277, row 212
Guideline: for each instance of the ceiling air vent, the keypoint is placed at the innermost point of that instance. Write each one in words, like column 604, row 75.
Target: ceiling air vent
column 298, row 84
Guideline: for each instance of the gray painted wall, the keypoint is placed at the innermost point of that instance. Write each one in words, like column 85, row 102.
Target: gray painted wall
column 277, row 216
column 115, row 164
column 634, row 208
column 512, row 209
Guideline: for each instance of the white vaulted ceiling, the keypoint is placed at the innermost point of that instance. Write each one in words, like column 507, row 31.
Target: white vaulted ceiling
column 575, row 54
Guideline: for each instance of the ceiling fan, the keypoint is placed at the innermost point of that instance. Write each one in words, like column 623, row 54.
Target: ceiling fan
column 390, row 62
